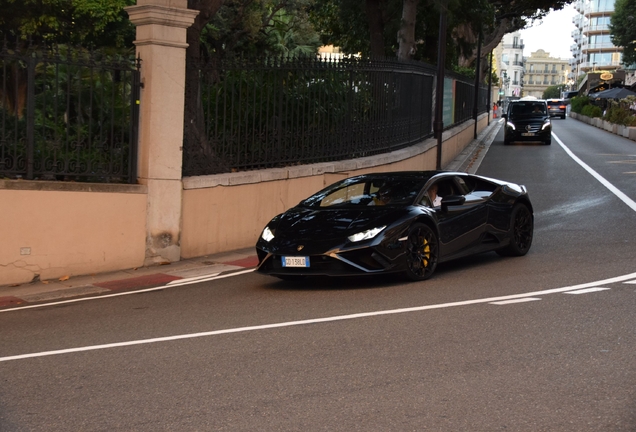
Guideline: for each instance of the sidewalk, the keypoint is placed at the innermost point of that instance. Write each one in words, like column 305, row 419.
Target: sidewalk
column 146, row 277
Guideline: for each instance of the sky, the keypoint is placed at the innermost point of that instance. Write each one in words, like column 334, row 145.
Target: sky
column 553, row 34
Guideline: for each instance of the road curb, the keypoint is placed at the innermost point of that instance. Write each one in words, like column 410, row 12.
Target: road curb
column 43, row 291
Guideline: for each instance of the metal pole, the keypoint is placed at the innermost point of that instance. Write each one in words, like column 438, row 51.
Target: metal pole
column 30, row 117
column 489, row 86
column 438, row 125
column 477, row 80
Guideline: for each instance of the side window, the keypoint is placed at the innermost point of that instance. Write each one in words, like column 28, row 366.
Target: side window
column 437, row 191
column 483, row 189
column 464, row 186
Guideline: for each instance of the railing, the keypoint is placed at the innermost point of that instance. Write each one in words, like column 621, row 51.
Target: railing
column 266, row 113
column 68, row 115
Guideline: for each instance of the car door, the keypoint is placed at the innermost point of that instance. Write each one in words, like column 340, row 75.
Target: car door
column 462, row 219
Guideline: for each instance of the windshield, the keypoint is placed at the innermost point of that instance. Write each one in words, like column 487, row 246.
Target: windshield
column 368, row 191
column 527, row 109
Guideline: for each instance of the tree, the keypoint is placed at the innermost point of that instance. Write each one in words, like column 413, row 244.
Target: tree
column 88, row 23
column 232, row 28
column 623, row 29
column 552, row 92
column 371, row 27
column 81, row 23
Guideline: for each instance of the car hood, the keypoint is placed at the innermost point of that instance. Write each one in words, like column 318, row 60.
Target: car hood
column 320, row 230
column 323, row 224
column 519, row 121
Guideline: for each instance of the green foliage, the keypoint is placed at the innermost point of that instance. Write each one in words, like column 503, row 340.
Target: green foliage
column 95, row 23
column 592, row 111
column 82, row 115
column 623, row 29
column 618, row 112
column 257, row 27
column 552, row 92
column 578, row 103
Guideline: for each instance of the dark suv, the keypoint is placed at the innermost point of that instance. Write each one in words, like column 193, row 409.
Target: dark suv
column 527, row 120
column 556, row 107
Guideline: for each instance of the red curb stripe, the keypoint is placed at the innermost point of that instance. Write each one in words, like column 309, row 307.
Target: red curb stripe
column 245, row 262
column 11, row 301
column 138, row 282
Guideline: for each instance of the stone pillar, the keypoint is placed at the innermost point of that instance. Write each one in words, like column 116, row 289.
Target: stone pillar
column 161, row 44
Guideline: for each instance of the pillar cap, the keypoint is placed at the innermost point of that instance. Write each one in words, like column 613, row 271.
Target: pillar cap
column 141, row 15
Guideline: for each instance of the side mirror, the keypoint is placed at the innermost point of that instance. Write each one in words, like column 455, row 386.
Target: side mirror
column 452, row 200
column 504, row 116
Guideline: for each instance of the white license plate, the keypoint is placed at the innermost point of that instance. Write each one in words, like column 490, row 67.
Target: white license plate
column 295, row 261
column 527, row 134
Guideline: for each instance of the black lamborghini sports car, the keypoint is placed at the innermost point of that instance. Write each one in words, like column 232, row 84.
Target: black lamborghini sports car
column 397, row 222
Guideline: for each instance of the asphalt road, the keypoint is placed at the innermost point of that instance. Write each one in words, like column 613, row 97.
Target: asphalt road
column 544, row 342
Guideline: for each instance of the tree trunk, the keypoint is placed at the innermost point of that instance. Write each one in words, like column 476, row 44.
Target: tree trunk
column 406, row 35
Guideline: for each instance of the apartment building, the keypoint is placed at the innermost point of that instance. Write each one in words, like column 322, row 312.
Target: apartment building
column 509, row 64
column 593, row 49
column 543, row 71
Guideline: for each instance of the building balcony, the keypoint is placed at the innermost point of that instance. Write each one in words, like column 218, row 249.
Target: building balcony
column 602, row 46
column 597, row 28
column 514, row 46
column 591, row 8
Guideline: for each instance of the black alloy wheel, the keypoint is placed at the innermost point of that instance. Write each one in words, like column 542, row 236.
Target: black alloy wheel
column 422, row 252
column 521, row 232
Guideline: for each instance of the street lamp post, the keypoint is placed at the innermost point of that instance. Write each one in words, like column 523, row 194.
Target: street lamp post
column 438, row 124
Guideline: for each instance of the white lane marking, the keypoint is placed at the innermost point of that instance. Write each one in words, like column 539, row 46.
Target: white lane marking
column 631, row 282
column 195, row 278
column 586, row 291
column 627, row 200
column 159, row 288
column 317, row 320
column 523, row 300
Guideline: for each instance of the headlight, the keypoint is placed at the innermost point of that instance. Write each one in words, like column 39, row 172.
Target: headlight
column 365, row 235
column 267, row 234
column 545, row 125
column 511, row 125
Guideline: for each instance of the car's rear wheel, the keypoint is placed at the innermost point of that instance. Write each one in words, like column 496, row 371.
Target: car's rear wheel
column 521, row 232
column 422, row 252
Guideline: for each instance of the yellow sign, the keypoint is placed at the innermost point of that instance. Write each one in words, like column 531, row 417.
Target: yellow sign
column 606, row 76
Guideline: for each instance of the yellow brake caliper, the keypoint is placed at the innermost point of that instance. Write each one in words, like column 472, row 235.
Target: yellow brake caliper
column 426, row 256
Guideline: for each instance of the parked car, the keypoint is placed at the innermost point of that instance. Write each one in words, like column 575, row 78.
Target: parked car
column 527, row 120
column 396, row 222
column 556, row 107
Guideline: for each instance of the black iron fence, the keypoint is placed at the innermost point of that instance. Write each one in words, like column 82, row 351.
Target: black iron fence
column 68, row 115
column 73, row 115
column 265, row 113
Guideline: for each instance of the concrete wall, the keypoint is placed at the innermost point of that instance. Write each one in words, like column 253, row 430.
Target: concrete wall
column 624, row 131
column 228, row 211
column 51, row 229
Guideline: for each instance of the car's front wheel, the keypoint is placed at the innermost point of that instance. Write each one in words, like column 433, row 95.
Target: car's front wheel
column 521, row 232
column 422, row 252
